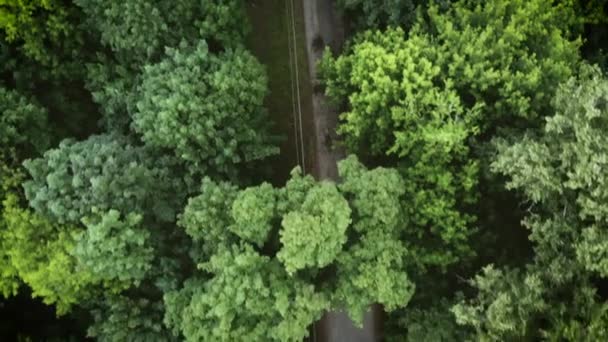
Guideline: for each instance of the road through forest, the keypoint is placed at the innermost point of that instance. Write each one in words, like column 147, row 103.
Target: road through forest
column 324, row 27
column 289, row 36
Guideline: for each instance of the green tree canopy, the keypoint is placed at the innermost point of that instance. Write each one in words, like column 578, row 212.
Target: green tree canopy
column 192, row 103
column 138, row 31
column 382, row 13
column 48, row 269
column 101, row 173
column 423, row 99
column 562, row 174
column 273, row 260
column 23, row 125
column 36, row 26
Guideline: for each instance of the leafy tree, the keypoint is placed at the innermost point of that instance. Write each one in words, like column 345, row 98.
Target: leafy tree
column 23, row 124
column 138, row 31
column 205, row 217
column 383, row 13
column 253, row 210
column 250, row 297
column 561, row 172
column 463, row 61
column 314, row 235
column 73, row 265
column 102, row 173
column 192, row 103
column 9, row 275
column 121, row 318
column 48, row 268
column 424, row 98
column 434, row 322
column 36, row 25
column 113, row 86
column 428, row 130
column 115, row 248
column 275, row 285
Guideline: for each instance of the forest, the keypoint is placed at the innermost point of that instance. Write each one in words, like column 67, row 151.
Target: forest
column 145, row 193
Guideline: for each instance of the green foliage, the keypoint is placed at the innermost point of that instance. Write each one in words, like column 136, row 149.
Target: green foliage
column 121, row 318
column 265, row 250
column 253, row 211
column 434, row 323
column 373, row 271
column 381, row 13
column 206, row 218
column 113, row 87
column 10, row 179
column 48, row 268
column 36, row 24
column 374, row 196
column 396, row 108
column 492, row 58
column 506, row 301
column 139, row 30
column 191, row 102
column 23, row 124
column 424, row 98
column 313, row 235
column 562, row 173
column 100, row 234
column 115, row 248
column 101, row 173
column 588, row 11
column 249, row 298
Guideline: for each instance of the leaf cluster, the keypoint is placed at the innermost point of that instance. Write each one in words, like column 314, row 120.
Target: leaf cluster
column 273, row 260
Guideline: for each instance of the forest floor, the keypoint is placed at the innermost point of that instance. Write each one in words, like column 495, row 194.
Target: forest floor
column 289, row 102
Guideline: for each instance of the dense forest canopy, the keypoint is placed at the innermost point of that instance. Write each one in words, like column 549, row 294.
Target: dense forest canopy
column 473, row 204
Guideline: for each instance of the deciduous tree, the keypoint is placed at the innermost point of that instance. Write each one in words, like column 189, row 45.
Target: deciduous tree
column 308, row 247
column 561, row 173
column 192, row 103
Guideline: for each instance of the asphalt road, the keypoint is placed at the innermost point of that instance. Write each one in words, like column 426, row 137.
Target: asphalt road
column 324, row 27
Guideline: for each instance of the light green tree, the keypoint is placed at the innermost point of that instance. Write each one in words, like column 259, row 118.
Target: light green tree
column 23, row 125
column 421, row 100
column 561, row 174
column 272, row 260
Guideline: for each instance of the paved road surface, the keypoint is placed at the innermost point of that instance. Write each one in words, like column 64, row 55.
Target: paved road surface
column 322, row 22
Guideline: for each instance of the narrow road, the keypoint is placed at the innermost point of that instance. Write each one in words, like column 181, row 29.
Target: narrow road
column 324, row 27
column 288, row 36
column 277, row 39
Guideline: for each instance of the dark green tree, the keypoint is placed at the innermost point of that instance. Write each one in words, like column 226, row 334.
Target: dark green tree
column 23, row 125
column 138, row 31
column 365, row 14
column 192, row 103
column 102, row 173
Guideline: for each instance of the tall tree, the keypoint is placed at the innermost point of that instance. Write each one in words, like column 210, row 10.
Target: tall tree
column 192, row 103
column 562, row 173
column 271, row 261
column 422, row 100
